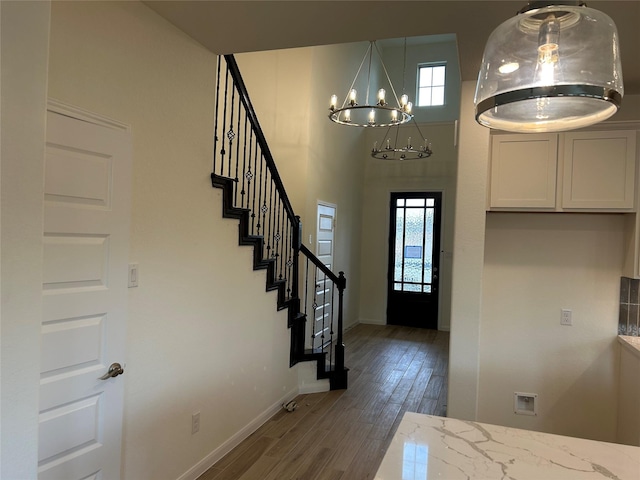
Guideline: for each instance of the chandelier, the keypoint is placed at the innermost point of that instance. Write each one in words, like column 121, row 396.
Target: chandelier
column 555, row 66
column 378, row 113
column 388, row 150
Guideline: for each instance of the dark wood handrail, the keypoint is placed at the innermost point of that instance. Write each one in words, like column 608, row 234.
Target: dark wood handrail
column 262, row 141
column 339, row 281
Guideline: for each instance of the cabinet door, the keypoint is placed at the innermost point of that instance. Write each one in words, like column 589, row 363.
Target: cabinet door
column 599, row 170
column 523, row 171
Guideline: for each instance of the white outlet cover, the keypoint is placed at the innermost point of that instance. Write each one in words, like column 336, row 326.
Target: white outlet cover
column 525, row 403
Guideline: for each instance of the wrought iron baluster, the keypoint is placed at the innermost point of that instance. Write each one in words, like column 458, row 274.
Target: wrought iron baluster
column 267, row 220
column 260, row 194
column 215, row 126
column 237, row 185
column 244, row 167
column 231, row 134
column 279, row 239
column 224, row 119
column 333, row 307
column 289, row 258
column 255, row 182
column 324, row 310
column 314, row 306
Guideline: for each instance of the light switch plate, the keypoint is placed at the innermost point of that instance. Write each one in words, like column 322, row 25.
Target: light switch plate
column 133, row 275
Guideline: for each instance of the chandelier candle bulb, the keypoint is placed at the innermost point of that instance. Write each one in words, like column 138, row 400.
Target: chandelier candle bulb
column 372, row 117
column 381, row 95
column 347, row 116
column 334, row 102
column 352, row 97
column 394, row 116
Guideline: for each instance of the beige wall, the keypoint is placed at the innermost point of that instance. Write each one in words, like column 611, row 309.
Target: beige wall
column 194, row 343
column 534, row 266
column 437, row 173
column 318, row 160
column 25, row 37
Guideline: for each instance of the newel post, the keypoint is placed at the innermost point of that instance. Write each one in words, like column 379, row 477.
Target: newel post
column 296, row 242
column 339, row 380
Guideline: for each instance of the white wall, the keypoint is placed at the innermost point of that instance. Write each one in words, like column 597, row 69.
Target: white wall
column 25, row 37
column 468, row 253
column 485, row 337
column 194, row 343
column 534, row 266
column 436, row 173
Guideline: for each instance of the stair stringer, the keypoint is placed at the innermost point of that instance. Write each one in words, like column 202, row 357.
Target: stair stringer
column 295, row 318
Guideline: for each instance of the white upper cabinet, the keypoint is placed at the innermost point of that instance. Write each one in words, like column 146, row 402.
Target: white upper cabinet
column 523, row 171
column 573, row 171
column 599, row 170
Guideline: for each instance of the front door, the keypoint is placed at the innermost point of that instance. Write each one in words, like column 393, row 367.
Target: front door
column 85, row 244
column 414, row 259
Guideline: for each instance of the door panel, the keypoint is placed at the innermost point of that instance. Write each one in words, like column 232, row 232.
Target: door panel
column 414, row 259
column 85, row 246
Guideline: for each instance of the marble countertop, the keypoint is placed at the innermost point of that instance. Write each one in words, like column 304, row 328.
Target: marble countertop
column 631, row 343
column 426, row 447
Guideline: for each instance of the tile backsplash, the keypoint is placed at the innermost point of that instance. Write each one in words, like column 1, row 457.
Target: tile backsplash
column 629, row 319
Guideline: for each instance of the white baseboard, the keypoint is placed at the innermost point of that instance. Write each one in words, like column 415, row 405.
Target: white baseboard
column 207, row 462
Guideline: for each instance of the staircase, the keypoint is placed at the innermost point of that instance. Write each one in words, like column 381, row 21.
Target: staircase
column 253, row 193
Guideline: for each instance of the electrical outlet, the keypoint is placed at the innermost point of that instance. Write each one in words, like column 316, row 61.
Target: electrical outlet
column 195, row 423
column 565, row 317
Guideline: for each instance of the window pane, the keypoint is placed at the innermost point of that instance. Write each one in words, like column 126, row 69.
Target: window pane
column 438, row 75
column 425, row 76
column 414, row 234
column 437, row 96
column 415, row 202
column 428, row 245
column 400, row 202
column 397, row 269
column 397, row 287
column 426, row 289
column 424, row 97
column 411, row 288
column 430, row 202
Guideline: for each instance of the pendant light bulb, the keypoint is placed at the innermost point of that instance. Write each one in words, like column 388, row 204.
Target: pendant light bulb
column 548, row 51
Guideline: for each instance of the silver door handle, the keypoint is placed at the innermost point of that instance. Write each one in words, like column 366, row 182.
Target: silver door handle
column 114, row 370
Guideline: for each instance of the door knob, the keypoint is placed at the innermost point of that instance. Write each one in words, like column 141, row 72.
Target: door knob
column 114, row 370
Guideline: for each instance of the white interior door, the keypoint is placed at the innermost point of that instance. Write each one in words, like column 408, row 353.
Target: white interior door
column 324, row 301
column 87, row 198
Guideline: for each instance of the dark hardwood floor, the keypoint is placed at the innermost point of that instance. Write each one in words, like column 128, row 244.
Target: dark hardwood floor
column 344, row 434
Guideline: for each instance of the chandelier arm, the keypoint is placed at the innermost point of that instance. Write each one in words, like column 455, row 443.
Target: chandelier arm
column 369, row 74
column 387, row 74
column 419, row 131
column 356, row 77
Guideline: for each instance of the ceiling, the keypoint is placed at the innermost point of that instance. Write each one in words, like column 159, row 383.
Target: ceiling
column 245, row 26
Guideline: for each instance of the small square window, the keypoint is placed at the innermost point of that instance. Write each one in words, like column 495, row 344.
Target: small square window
column 431, row 83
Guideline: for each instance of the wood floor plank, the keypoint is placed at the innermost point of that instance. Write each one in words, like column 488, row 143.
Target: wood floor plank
column 342, row 435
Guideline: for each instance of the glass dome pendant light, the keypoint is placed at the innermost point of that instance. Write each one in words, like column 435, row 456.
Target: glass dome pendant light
column 553, row 67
